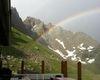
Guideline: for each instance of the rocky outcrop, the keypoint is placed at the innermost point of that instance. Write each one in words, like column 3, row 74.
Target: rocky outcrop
column 19, row 25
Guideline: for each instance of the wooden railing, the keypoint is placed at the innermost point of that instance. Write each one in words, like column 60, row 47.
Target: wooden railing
column 63, row 68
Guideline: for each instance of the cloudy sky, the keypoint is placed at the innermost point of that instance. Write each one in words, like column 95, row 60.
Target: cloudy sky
column 73, row 15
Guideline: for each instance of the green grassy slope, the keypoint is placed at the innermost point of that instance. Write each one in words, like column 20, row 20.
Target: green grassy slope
column 24, row 48
column 88, row 71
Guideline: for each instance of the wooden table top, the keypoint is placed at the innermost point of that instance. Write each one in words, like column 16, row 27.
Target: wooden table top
column 26, row 78
column 64, row 79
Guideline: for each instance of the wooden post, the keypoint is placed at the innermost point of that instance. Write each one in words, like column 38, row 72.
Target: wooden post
column 42, row 70
column 22, row 67
column 0, row 63
column 65, row 70
column 62, row 68
column 79, row 71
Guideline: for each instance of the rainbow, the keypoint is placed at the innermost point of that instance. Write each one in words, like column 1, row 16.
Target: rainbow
column 69, row 19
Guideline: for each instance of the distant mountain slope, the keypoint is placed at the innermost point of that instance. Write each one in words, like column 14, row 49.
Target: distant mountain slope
column 59, row 44
column 65, row 43
column 24, row 48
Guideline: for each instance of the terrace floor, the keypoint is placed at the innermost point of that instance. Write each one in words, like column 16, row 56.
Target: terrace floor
column 27, row 78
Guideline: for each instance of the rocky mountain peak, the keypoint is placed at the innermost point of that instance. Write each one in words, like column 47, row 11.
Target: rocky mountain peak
column 65, row 43
column 49, row 25
column 32, row 21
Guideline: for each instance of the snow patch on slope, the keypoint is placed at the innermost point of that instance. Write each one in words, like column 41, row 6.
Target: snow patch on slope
column 90, row 48
column 74, row 58
column 61, row 42
column 81, row 47
column 70, row 53
column 91, row 60
column 57, row 51
column 33, row 27
column 83, row 62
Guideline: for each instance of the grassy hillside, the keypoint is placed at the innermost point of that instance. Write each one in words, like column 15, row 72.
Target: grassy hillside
column 24, row 48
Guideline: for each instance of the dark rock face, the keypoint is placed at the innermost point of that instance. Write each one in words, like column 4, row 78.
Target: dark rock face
column 19, row 25
column 36, row 25
column 17, row 21
column 28, row 26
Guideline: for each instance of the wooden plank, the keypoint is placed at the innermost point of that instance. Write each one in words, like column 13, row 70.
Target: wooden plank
column 64, row 79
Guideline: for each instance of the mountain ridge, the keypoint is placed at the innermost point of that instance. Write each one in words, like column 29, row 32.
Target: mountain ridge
column 65, row 43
